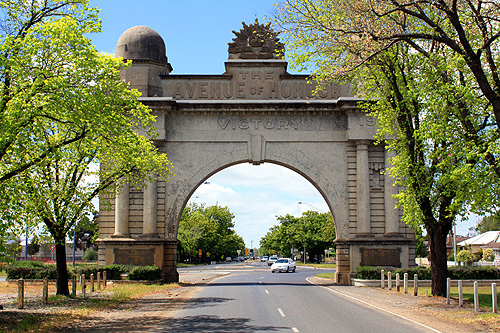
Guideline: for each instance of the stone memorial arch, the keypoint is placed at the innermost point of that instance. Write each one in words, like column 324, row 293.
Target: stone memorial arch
column 255, row 113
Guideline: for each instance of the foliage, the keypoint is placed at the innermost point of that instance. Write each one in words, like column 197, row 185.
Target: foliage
column 90, row 255
column 33, row 249
column 64, row 110
column 421, row 250
column 465, row 256
column 478, row 255
column 432, row 95
column 209, row 229
column 86, row 269
column 114, row 271
column 488, row 255
column 314, row 231
column 489, row 223
column 30, row 270
column 145, row 273
column 473, row 273
column 455, row 273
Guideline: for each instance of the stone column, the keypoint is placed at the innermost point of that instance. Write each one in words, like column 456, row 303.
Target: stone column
column 149, row 224
column 122, row 213
column 391, row 213
column 363, row 189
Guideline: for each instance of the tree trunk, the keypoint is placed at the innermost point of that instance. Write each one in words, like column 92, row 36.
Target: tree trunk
column 62, row 270
column 439, row 267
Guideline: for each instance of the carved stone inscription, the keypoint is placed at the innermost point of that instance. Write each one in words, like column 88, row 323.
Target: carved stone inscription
column 338, row 123
column 380, row 257
column 140, row 257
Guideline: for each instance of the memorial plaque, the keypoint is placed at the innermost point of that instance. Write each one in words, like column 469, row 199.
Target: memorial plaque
column 139, row 257
column 380, row 257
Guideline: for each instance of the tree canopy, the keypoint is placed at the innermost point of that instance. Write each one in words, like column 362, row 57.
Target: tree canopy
column 209, row 229
column 71, row 128
column 313, row 231
column 427, row 70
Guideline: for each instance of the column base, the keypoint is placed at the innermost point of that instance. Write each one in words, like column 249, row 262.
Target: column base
column 120, row 235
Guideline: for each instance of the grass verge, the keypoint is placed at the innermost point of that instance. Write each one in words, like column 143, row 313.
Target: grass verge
column 61, row 310
column 330, row 266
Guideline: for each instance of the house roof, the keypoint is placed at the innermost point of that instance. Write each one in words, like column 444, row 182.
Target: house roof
column 487, row 237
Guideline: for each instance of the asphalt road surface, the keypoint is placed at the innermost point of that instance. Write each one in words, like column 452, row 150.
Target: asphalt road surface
column 250, row 300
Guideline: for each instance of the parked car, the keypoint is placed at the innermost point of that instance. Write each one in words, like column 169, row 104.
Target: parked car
column 264, row 258
column 228, row 259
column 272, row 260
column 283, row 265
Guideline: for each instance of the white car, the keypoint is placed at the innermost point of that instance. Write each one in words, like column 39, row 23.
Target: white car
column 283, row 265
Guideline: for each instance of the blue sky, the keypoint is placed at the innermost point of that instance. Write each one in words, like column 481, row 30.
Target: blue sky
column 196, row 34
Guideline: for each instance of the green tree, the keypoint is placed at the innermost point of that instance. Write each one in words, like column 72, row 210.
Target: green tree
column 313, row 231
column 489, row 223
column 70, row 112
column 447, row 145
column 209, row 229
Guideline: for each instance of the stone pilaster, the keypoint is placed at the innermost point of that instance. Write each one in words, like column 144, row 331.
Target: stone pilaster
column 390, row 189
column 122, row 213
column 363, row 190
column 149, row 227
column 170, row 273
column 343, row 273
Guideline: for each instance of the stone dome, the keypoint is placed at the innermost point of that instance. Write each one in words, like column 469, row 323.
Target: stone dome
column 141, row 42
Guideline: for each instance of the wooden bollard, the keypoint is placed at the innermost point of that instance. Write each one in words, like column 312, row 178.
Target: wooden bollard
column 45, row 292
column 405, row 281
column 20, row 294
column 382, row 276
column 389, row 280
column 99, row 280
column 84, row 286
column 415, row 285
column 476, row 296
column 460, row 294
column 397, row 282
column 448, row 291
column 104, row 280
column 92, row 282
column 73, row 286
column 494, row 304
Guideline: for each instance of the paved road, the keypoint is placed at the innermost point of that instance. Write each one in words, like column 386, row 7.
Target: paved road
column 255, row 300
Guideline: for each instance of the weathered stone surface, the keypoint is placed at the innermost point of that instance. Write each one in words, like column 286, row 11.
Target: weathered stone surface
column 257, row 113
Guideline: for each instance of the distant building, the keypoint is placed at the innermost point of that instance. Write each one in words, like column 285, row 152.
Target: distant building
column 450, row 240
column 480, row 241
column 46, row 253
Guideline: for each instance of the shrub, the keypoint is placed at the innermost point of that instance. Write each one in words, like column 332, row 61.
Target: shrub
column 90, row 255
column 370, row 272
column 31, row 270
column 465, row 256
column 478, row 255
column 473, row 273
column 114, row 271
column 488, row 255
column 86, row 269
column 145, row 273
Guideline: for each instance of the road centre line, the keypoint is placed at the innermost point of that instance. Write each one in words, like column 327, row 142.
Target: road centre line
column 376, row 307
column 267, row 291
column 281, row 313
column 295, row 329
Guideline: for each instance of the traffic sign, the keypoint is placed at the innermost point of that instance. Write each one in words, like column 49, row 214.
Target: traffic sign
column 52, row 248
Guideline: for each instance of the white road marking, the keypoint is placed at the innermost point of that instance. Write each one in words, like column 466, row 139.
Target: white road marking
column 377, row 307
column 281, row 313
column 267, row 291
column 295, row 329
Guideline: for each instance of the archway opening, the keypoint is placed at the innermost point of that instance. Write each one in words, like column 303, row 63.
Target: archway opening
column 258, row 195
